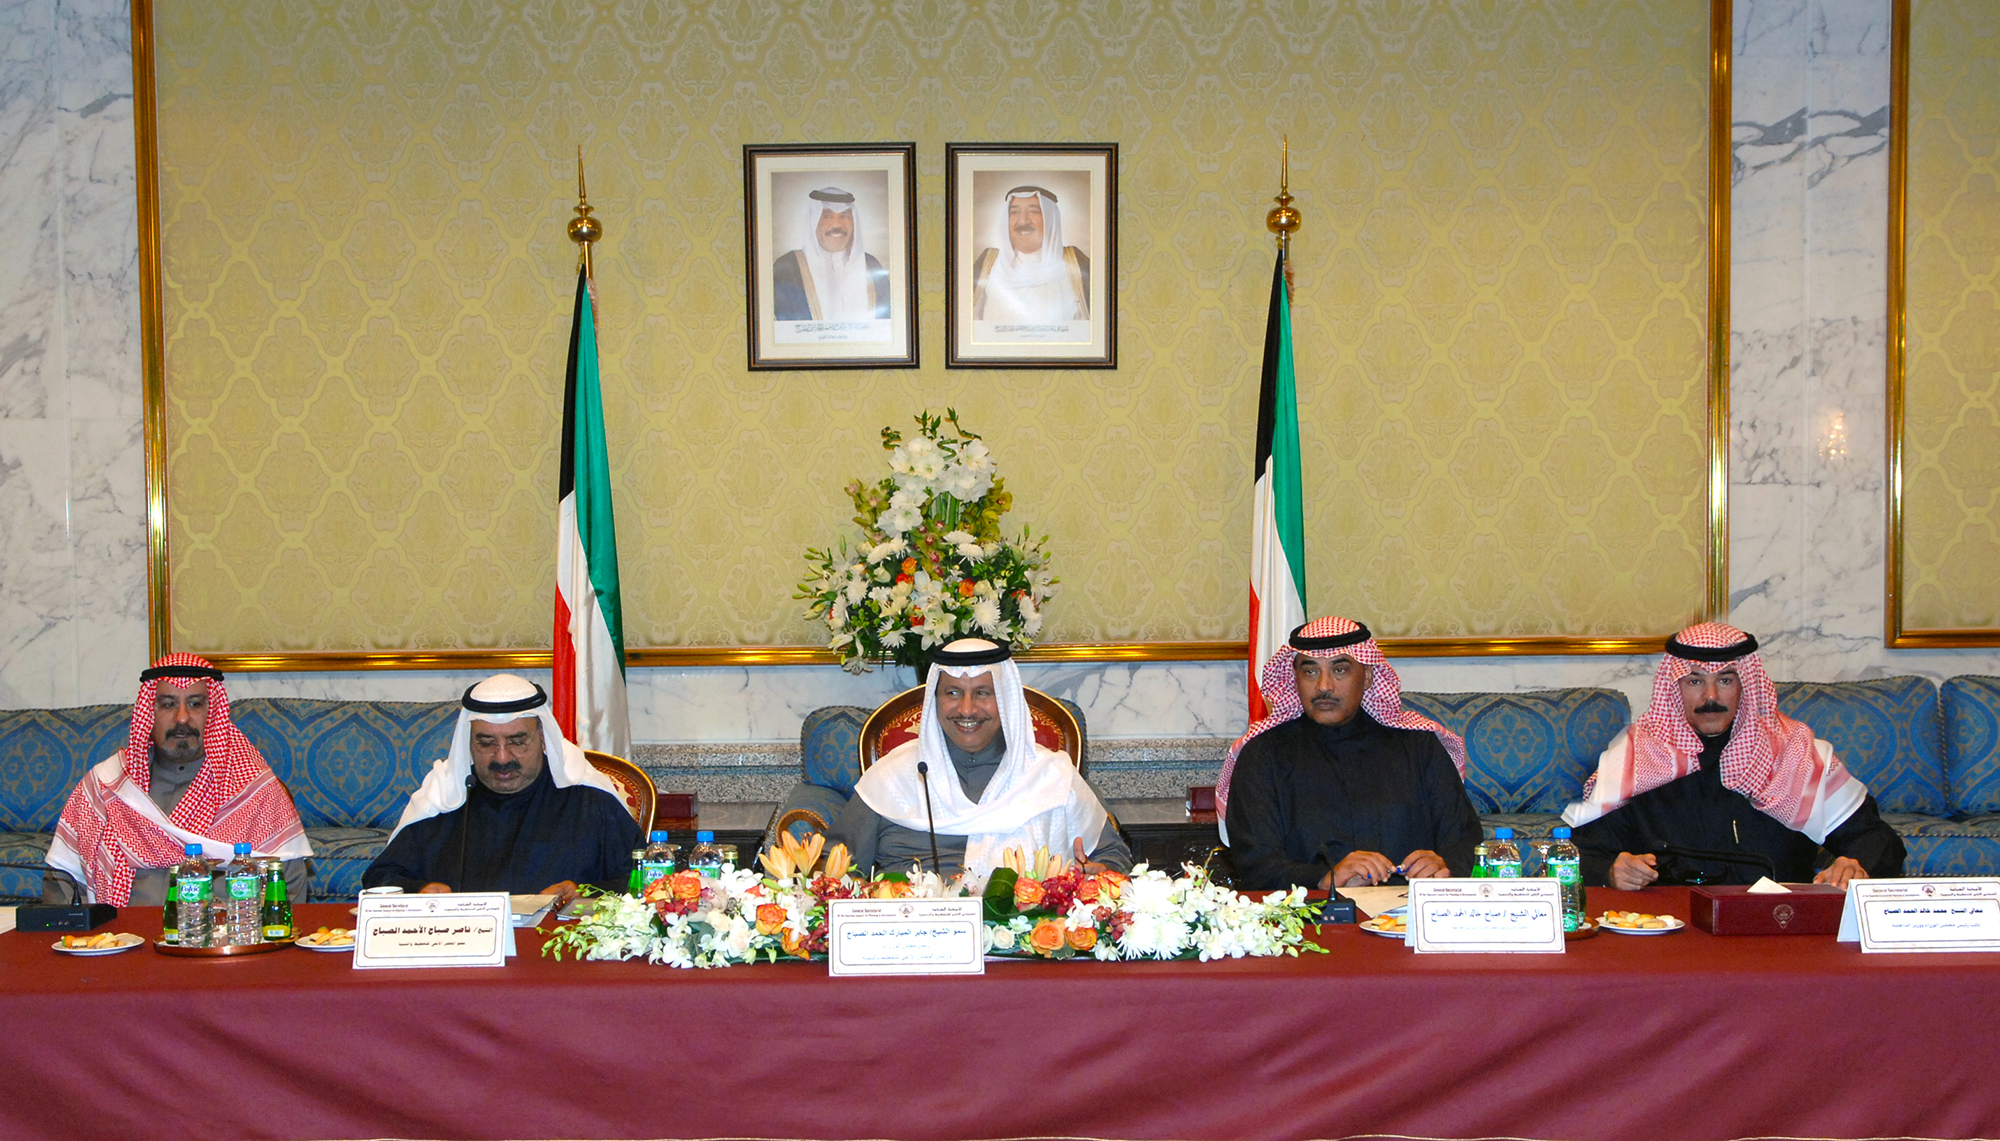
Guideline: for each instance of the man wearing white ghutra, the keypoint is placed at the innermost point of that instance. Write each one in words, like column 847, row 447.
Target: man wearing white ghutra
column 991, row 786
column 832, row 277
column 1029, row 277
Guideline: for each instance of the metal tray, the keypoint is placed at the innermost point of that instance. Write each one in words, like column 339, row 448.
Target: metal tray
column 221, row 952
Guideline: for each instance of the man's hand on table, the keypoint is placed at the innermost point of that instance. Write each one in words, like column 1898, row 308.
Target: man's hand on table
column 563, row 891
column 1841, row 872
column 1359, row 868
column 1424, row 864
column 1630, row 872
column 1083, row 859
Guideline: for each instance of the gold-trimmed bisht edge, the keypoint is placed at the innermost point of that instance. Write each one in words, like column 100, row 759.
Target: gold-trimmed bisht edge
column 152, row 330
column 1894, row 635
column 1721, row 32
column 692, row 657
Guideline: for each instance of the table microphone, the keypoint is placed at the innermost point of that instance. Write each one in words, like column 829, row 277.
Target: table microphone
column 924, row 775
column 464, row 826
column 1748, row 860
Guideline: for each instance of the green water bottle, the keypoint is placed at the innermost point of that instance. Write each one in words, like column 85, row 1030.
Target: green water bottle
column 1479, row 869
column 277, row 916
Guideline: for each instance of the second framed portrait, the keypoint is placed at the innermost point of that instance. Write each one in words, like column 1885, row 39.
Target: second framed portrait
column 832, row 261
column 1031, row 273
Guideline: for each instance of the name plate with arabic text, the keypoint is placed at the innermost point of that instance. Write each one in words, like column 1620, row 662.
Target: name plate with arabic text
column 449, row 929
column 904, row 937
column 1486, row 915
column 1922, row 915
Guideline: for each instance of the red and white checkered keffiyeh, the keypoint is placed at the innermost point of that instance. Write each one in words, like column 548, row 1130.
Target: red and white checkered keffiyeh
column 1383, row 699
column 1770, row 758
column 234, row 798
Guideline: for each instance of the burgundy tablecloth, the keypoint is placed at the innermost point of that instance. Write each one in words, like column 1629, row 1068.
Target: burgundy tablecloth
column 1683, row 1036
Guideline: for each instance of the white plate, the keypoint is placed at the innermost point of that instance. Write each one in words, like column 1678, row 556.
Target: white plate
column 1672, row 926
column 1374, row 927
column 125, row 942
column 312, row 943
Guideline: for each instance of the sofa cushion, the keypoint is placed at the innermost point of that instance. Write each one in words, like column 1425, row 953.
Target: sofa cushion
column 23, row 848
column 1527, row 752
column 340, row 855
column 1940, row 847
column 44, row 752
column 1885, row 730
column 830, row 747
column 349, row 764
column 1972, row 743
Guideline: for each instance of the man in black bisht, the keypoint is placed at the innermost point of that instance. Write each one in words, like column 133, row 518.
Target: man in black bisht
column 514, row 808
column 1342, row 786
column 1715, row 785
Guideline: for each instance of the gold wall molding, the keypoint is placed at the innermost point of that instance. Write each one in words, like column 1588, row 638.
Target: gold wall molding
column 1899, row 632
column 1713, row 433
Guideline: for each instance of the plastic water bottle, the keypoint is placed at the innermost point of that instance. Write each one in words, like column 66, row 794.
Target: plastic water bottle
column 277, row 914
column 704, row 858
column 1503, row 859
column 657, row 861
column 632, row 881
column 191, row 891
column 1566, row 867
column 243, row 887
column 1479, row 869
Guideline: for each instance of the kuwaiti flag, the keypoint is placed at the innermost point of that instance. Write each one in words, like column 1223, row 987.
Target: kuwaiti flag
column 589, row 630
column 1278, row 522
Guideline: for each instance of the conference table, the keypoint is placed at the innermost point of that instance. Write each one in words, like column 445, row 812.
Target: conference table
column 1686, row 1036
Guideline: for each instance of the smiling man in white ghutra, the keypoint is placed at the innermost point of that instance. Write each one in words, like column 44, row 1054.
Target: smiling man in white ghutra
column 991, row 786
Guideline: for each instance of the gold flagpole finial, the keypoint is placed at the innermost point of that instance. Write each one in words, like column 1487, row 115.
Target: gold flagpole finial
column 1283, row 220
column 583, row 229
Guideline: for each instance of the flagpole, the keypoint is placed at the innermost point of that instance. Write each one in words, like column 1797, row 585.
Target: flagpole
column 1282, row 220
column 584, row 229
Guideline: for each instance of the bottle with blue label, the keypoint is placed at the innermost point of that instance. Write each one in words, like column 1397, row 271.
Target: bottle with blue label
column 704, row 857
column 191, row 922
column 1503, row 859
column 1565, row 866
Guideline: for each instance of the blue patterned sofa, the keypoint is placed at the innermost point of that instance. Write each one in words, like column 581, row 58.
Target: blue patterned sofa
column 1527, row 754
column 350, row 765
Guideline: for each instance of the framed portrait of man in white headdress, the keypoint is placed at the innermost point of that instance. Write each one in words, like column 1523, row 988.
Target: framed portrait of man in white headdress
column 832, row 262
column 1031, row 273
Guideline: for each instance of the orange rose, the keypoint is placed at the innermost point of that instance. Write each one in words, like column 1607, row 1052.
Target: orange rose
column 1082, row 938
column 1087, row 890
column 965, row 588
column 892, row 889
column 916, row 619
column 770, row 918
column 1047, row 936
column 686, row 886
column 1112, row 884
column 794, row 943
column 1027, row 893
column 909, row 566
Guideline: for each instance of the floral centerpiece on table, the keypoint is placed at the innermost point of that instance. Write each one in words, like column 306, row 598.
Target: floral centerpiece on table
column 1044, row 908
column 930, row 564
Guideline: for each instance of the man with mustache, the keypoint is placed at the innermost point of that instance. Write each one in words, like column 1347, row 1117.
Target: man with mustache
column 513, row 808
column 1341, row 786
column 186, row 776
column 1030, row 277
column 1714, row 767
column 991, row 786
column 832, row 277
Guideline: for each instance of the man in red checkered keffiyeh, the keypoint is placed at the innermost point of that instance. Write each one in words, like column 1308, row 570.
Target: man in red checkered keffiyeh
column 1715, row 785
column 186, row 775
column 1341, row 785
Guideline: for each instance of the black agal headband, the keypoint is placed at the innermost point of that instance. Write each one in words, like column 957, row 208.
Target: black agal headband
column 1354, row 637
column 155, row 673
column 519, row 705
column 832, row 194
column 1024, row 191
column 1730, row 653
column 943, row 657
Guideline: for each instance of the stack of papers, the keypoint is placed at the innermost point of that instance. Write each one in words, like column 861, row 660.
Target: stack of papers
column 530, row 909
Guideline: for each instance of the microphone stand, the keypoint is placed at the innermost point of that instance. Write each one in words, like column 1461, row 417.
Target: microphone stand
column 924, row 776
column 464, row 826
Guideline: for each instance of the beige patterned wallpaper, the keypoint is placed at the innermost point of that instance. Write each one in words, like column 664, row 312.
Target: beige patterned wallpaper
column 1500, row 317
column 1951, row 412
